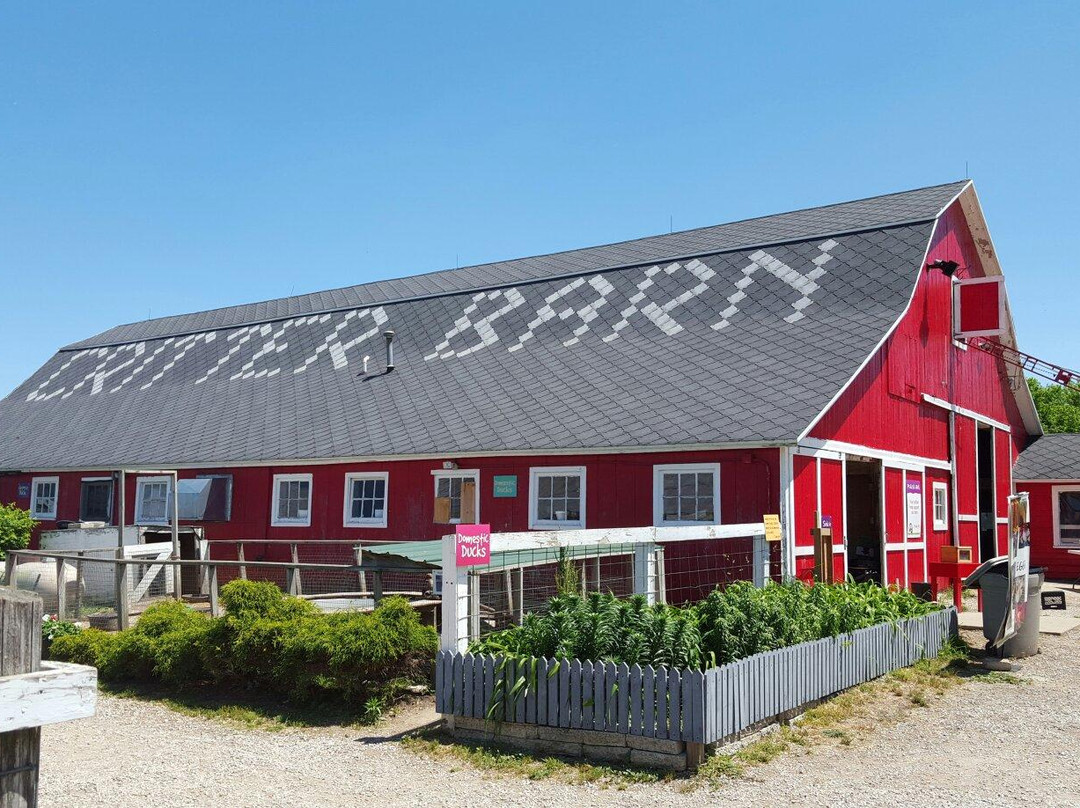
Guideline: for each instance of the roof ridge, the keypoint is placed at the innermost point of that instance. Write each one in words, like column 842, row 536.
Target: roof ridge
column 97, row 342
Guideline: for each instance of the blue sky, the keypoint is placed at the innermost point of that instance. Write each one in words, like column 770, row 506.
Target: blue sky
column 158, row 158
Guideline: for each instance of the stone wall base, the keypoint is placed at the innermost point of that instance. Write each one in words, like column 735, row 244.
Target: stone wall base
column 602, row 747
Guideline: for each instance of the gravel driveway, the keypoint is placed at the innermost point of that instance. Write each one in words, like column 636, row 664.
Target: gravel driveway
column 979, row 744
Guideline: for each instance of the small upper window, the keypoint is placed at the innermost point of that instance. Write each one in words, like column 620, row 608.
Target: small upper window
column 941, row 506
column 686, row 495
column 152, row 495
column 206, row 498
column 557, row 497
column 457, row 497
column 44, row 493
column 292, row 500
column 95, row 503
column 1066, row 516
column 365, row 499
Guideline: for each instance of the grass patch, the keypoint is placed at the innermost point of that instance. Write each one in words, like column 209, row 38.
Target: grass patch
column 843, row 719
column 243, row 709
column 486, row 758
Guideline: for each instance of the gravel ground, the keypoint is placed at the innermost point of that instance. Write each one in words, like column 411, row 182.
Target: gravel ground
column 133, row 754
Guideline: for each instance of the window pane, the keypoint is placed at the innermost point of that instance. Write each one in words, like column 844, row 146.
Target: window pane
column 444, row 487
column 558, row 486
column 671, row 509
column 305, row 489
column 543, row 509
column 368, row 508
column 1069, row 508
column 671, row 485
column 686, row 484
column 354, row 513
column 687, row 506
column 545, row 486
column 705, row 484
column 705, row 509
column 380, row 489
column 573, row 486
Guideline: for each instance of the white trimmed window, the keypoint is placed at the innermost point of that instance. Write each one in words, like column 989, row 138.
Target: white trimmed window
column 1066, row 499
column 686, row 494
column 365, row 499
column 292, row 501
column 457, row 497
column 152, row 500
column 941, row 506
column 557, row 497
column 44, row 491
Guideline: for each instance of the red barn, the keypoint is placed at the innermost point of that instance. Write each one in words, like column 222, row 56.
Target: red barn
column 802, row 364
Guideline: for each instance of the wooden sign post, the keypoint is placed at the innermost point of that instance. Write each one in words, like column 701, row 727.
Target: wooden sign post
column 32, row 694
column 823, row 552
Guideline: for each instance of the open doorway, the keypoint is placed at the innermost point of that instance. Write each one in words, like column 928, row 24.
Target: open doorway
column 987, row 512
column 864, row 519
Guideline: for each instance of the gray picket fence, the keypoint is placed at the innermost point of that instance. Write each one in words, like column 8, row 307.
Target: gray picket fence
column 681, row 705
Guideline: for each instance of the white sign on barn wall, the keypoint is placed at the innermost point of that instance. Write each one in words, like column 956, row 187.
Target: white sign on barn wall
column 914, row 499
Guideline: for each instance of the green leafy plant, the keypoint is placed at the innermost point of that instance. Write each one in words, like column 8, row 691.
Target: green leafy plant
column 16, row 528
column 729, row 624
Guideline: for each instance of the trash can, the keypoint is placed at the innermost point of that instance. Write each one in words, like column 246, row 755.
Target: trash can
column 992, row 578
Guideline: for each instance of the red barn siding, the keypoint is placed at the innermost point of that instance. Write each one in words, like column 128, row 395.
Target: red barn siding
column 883, row 407
column 805, row 481
column 832, row 504
column 619, row 493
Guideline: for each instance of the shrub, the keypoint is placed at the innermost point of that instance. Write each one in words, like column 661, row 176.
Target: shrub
column 85, row 648
column 53, row 627
column 275, row 643
column 16, row 528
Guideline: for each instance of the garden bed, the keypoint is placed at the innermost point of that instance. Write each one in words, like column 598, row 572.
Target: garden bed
column 649, row 714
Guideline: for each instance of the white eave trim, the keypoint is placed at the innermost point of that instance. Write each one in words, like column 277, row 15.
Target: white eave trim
column 437, row 457
column 984, row 419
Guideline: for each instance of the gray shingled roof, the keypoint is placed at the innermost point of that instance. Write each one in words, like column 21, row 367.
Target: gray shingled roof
column 736, row 333
column 1050, row 457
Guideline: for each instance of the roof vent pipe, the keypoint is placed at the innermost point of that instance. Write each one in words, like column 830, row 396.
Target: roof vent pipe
column 389, row 350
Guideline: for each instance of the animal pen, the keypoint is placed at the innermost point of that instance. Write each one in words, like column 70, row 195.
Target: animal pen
column 655, row 716
column 107, row 587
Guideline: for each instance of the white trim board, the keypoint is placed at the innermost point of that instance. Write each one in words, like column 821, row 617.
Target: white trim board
column 983, row 419
column 891, row 459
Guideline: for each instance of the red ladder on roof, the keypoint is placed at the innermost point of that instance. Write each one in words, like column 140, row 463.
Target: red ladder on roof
column 1030, row 364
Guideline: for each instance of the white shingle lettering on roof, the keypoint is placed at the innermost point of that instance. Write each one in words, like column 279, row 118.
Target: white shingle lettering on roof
column 805, row 284
column 482, row 327
column 586, row 313
column 659, row 314
column 333, row 344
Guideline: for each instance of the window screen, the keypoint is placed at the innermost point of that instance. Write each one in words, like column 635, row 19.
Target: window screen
column 96, row 501
column 688, row 496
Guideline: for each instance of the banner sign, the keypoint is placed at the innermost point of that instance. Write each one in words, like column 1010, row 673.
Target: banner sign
column 1019, row 566
column 914, row 500
column 473, row 544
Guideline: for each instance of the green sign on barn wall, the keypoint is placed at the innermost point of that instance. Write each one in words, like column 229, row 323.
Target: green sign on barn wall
column 505, row 485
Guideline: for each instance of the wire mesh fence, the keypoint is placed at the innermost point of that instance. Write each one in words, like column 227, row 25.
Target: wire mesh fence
column 105, row 587
column 522, row 580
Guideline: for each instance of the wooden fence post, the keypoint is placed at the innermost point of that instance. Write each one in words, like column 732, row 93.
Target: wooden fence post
column 20, row 652
column 240, row 557
column 215, row 609
column 61, row 589
column 123, row 594
column 78, row 585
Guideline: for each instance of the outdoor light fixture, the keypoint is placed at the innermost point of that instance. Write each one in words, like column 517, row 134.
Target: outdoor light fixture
column 389, row 350
column 948, row 268
column 449, row 465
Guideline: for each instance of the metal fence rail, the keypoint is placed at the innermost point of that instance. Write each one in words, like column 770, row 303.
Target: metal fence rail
column 115, row 584
column 689, row 705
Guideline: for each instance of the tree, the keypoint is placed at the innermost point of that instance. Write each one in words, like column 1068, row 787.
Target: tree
column 16, row 527
column 1058, row 407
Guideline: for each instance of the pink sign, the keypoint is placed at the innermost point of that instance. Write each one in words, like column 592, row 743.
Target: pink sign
column 473, row 545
